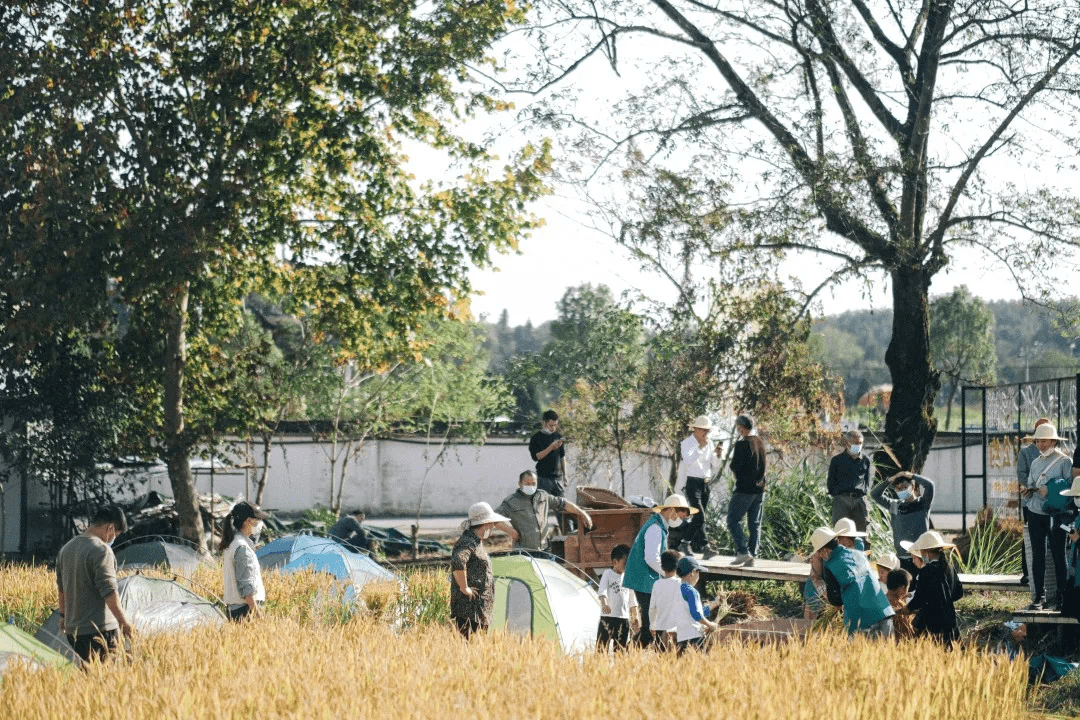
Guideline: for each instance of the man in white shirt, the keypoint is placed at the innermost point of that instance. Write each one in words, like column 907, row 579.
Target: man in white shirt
column 699, row 461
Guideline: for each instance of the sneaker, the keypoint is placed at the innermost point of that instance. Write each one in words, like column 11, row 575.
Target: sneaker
column 742, row 559
column 709, row 554
column 1036, row 604
column 685, row 549
column 750, row 562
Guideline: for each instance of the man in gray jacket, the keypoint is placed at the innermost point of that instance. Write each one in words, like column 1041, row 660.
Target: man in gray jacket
column 90, row 612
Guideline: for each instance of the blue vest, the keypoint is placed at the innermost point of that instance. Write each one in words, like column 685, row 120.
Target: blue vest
column 864, row 601
column 639, row 576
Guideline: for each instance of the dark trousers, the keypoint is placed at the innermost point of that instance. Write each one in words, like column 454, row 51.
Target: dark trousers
column 94, row 645
column 695, row 644
column 612, row 629
column 697, row 494
column 850, row 505
column 467, row 626
column 551, row 484
column 644, row 636
column 1023, row 556
column 750, row 505
column 239, row 613
column 1042, row 528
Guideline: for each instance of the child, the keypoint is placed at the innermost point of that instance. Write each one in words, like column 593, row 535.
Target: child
column 897, row 582
column 690, row 616
column 619, row 603
column 886, row 564
column 665, row 599
column 939, row 589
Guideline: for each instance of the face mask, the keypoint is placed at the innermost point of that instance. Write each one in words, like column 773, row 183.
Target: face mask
column 903, row 495
column 674, row 523
column 1076, row 501
column 529, row 490
column 257, row 529
column 1048, row 452
column 546, row 431
column 855, row 449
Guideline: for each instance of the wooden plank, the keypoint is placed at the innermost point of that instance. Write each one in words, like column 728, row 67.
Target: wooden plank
column 1043, row 617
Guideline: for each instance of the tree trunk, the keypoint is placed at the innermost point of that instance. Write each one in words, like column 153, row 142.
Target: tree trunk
column 176, row 450
column 948, row 405
column 909, row 424
column 260, row 487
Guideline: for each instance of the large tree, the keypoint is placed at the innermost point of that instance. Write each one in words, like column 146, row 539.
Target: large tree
column 170, row 157
column 879, row 136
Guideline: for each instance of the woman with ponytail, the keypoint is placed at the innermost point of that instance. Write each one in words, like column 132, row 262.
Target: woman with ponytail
column 244, row 592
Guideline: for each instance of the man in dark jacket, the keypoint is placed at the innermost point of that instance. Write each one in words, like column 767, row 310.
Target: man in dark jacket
column 848, row 482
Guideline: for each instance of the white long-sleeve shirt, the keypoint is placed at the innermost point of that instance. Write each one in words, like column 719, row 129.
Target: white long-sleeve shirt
column 664, row 604
column 652, row 549
column 697, row 461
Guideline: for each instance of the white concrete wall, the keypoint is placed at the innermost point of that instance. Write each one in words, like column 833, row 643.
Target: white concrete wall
column 390, row 476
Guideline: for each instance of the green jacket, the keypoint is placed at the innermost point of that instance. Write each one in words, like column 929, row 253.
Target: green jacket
column 639, row 576
column 864, row 602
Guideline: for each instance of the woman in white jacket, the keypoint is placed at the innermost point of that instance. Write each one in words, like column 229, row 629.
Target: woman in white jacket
column 244, row 592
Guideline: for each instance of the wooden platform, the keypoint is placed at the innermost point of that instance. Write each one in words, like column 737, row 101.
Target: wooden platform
column 1043, row 617
column 720, row 568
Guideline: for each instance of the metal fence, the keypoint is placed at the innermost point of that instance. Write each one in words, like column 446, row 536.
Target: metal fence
column 994, row 420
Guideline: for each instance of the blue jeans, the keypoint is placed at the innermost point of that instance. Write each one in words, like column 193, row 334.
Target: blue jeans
column 750, row 505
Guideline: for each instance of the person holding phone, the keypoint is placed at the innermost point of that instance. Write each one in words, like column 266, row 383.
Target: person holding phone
column 546, row 447
column 1052, row 464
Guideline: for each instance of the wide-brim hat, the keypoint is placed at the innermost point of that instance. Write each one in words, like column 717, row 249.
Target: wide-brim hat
column 845, row 527
column 481, row 513
column 1074, row 491
column 703, row 422
column 675, row 501
column 929, row 540
column 888, row 560
column 821, row 537
column 1046, row 431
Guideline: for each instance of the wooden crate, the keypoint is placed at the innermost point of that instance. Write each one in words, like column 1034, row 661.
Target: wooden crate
column 591, row 551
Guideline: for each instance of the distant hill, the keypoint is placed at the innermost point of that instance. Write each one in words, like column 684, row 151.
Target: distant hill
column 1030, row 345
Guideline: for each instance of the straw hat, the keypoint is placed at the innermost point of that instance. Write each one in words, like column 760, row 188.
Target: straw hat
column 1074, row 491
column 481, row 513
column 821, row 537
column 845, row 527
column 889, row 561
column 675, row 501
column 929, row 540
column 703, row 422
column 1046, row 431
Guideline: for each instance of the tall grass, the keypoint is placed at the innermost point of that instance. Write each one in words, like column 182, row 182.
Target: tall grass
column 281, row 668
column 992, row 546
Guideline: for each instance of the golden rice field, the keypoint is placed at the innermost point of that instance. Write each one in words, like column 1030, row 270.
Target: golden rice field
column 302, row 661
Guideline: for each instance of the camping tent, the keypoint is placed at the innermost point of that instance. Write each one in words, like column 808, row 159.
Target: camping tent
column 152, row 605
column 19, row 646
column 538, row 596
column 159, row 553
column 299, row 552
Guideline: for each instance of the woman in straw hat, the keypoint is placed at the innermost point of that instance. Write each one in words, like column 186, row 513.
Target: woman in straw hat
column 643, row 564
column 939, row 589
column 472, row 586
column 1052, row 464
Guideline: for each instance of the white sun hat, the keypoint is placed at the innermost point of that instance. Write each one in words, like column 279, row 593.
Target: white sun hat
column 1046, row 431
column 1074, row 491
column 703, row 422
column 821, row 537
column 481, row 513
column 845, row 527
column 888, row 560
column 929, row 540
column 676, row 501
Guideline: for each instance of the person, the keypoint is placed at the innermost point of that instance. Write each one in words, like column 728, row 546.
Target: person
column 618, row 604
column 349, row 531
column 643, row 564
column 1023, row 464
column 748, row 466
column 244, row 591
column 1052, row 464
column 866, row 609
column 884, row 565
column 90, row 613
column 848, row 481
column 699, row 458
column 1071, row 603
column 547, row 448
column 528, row 508
column 898, row 583
column 472, row 585
column 664, row 602
column 690, row 615
column 907, row 498
column 848, row 536
column 939, row 589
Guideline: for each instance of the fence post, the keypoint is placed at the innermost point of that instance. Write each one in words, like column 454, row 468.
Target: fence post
column 963, row 458
column 986, row 498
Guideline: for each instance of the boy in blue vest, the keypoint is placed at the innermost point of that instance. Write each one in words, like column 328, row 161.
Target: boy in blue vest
column 866, row 608
column 643, row 565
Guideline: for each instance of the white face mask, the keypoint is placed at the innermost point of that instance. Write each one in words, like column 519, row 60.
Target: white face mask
column 1076, row 501
column 1048, row 451
column 674, row 522
column 258, row 528
column 529, row 490
column 855, row 449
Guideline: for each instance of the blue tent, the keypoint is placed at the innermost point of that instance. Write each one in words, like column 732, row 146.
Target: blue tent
column 323, row 555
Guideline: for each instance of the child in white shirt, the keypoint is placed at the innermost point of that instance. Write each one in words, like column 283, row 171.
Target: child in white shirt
column 664, row 602
column 619, row 605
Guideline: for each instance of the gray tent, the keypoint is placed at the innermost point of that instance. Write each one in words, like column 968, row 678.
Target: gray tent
column 159, row 553
column 152, row 605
